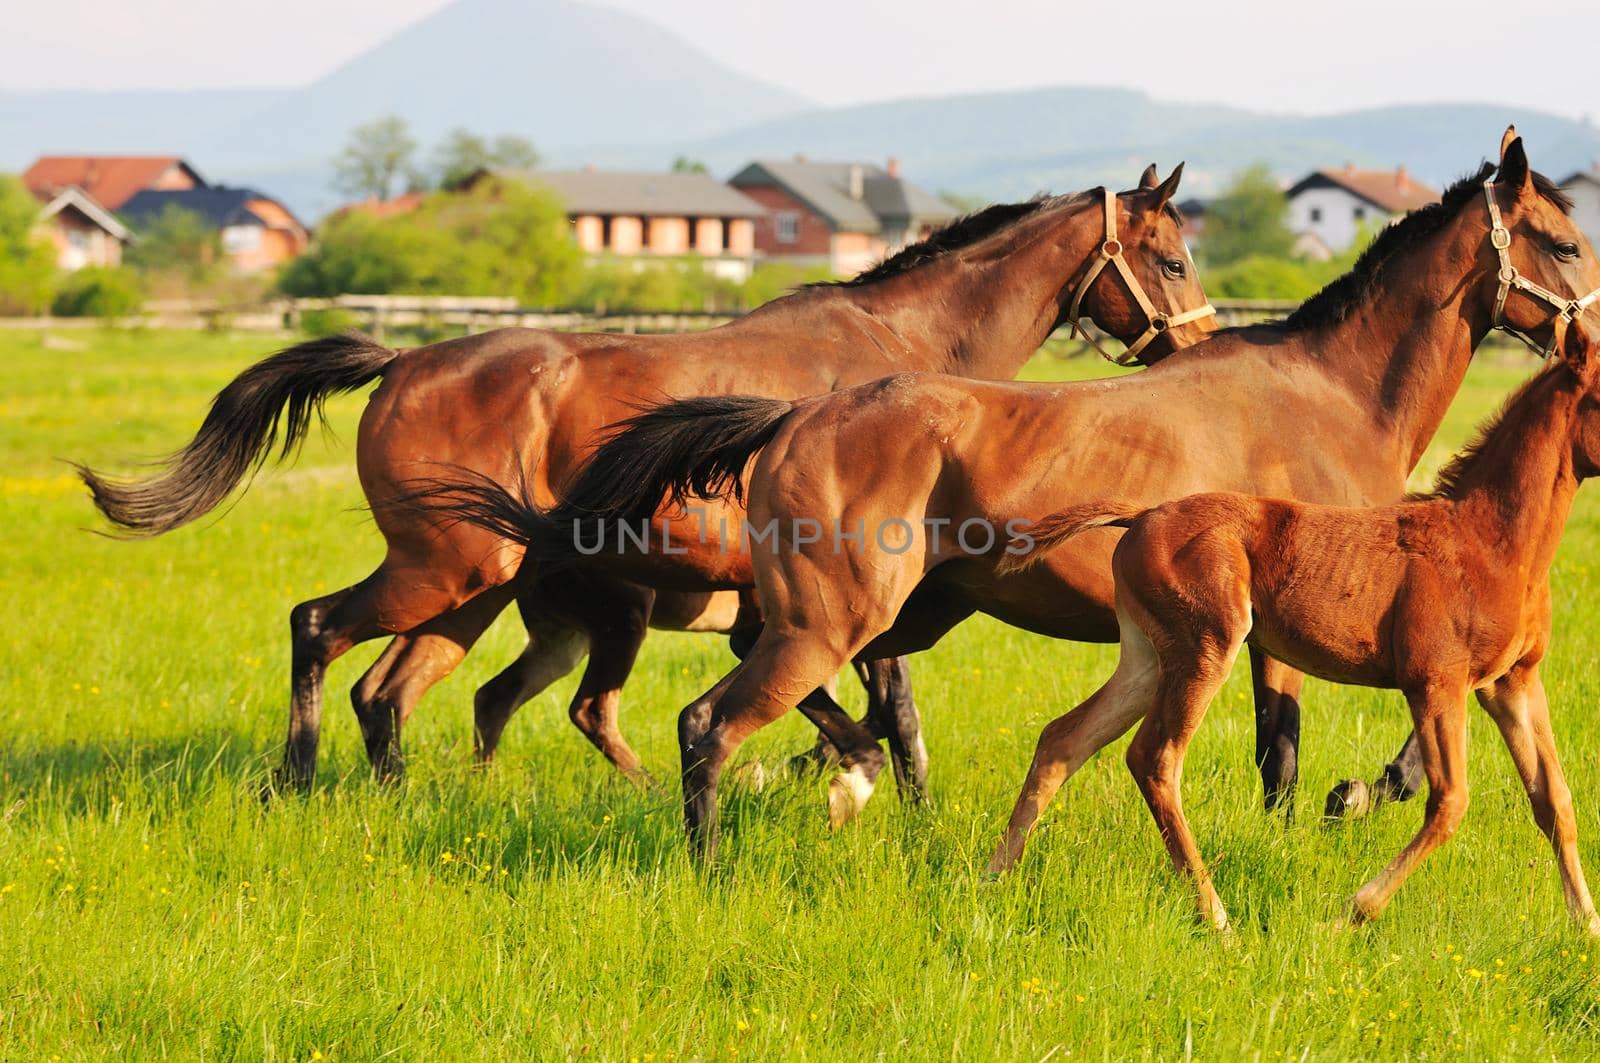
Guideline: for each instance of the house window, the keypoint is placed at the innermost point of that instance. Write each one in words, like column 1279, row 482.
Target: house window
column 727, row 235
column 605, row 231
column 644, row 233
column 240, row 238
column 787, row 224
column 1316, row 215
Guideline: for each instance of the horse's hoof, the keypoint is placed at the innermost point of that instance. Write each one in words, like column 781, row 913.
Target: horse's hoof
column 848, row 793
column 1348, row 800
column 752, row 775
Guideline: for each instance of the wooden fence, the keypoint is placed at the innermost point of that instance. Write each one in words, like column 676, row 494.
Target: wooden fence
column 377, row 314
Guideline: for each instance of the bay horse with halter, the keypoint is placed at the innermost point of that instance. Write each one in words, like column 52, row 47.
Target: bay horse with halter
column 1335, row 404
column 1441, row 596
column 524, row 406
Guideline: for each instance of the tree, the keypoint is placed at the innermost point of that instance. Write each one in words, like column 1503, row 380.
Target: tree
column 1250, row 218
column 376, row 158
column 684, row 164
column 499, row 238
column 27, row 262
column 176, row 242
column 463, row 153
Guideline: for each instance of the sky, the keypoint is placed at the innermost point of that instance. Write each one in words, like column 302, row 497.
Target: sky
column 1262, row 54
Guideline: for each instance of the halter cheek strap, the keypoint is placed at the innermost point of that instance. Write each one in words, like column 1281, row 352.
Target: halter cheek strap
column 1156, row 321
column 1566, row 309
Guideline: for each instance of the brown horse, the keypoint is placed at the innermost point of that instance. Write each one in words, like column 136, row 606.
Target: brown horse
column 976, row 298
column 1436, row 597
column 1335, row 404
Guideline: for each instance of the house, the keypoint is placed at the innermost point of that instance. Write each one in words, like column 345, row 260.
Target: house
column 110, row 180
column 845, row 215
column 381, row 208
column 1193, row 213
column 1331, row 208
column 257, row 231
column 1584, row 188
column 664, row 215
column 84, row 232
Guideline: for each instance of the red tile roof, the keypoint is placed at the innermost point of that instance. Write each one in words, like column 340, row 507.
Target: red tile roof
column 1395, row 191
column 110, row 179
column 383, row 208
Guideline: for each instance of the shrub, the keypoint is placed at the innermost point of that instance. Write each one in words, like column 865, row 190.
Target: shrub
column 98, row 291
column 500, row 238
column 27, row 261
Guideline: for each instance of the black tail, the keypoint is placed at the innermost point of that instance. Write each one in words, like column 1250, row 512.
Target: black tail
column 238, row 434
column 692, row 448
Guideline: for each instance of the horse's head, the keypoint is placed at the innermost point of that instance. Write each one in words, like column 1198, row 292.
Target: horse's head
column 1541, row 268
column 1152, row 296
column 1578, row 346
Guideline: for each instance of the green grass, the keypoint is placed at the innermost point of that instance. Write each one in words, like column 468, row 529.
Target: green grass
column 148, row 905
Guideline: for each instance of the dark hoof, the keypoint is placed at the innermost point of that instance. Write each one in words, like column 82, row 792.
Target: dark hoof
column 1350, row 799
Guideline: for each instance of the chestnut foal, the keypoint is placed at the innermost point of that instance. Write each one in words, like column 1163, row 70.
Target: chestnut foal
column 1440, row 595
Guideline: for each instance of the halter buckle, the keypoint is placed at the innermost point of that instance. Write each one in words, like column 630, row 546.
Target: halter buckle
column 1159, row 322
column 1508, row 274
column 1111, row 248
column 1499, row 238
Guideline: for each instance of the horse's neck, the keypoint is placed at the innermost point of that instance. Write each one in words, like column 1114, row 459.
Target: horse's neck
column 1517, row 493
column 983, row 311
column 1403, row 354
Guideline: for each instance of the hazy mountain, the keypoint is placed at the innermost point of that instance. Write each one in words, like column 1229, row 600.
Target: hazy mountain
column 556, row 71
column 1005, row 145
column 590, row 84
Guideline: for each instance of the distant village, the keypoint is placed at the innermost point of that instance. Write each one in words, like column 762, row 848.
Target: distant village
column 841, row 216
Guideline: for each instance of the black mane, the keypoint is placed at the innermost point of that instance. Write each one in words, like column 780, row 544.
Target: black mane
column 1334, row 303
column 963, row 232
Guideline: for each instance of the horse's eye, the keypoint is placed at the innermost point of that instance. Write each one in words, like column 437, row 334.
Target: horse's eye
column 1174, row 267
column 1567, row 250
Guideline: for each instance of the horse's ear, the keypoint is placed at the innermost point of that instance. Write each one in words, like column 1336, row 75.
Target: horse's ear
column 1576, row 344
column 1149, row 178
column 1165, row 190
column 1506, row 139
column 1515, row 175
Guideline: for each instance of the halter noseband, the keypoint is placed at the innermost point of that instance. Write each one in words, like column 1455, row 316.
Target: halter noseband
column 1157, row 322
column 1566, row 309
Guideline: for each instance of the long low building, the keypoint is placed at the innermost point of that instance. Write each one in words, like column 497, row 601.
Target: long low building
column 657, row 214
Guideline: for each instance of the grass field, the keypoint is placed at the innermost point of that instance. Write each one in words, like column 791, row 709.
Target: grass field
column 149, row 906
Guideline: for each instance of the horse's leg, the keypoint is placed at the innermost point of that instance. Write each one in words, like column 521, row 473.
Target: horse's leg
column 819, row 707
column 1519, row 708
column 860, row 759
column 554, row 649
column 1068, row 741
column 428, row 654
column 892, row 714
column 323, row 629
column 1189, row 679
column 781, row 669
column 1276, row 687
column 1439, row 715
column 1400, row 781
column 615, row 633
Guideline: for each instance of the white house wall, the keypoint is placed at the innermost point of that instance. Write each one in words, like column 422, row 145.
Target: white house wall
column 1586, row 210
column 1334, row 215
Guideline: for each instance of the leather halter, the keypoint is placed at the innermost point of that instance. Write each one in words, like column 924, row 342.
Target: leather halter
column 1157, row 322
column 1566, row 309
